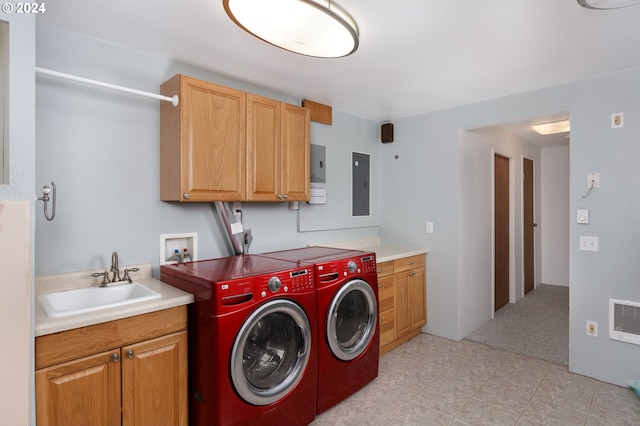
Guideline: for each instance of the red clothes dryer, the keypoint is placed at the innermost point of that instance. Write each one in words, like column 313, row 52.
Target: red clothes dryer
column 252, row 340
column 347, row 289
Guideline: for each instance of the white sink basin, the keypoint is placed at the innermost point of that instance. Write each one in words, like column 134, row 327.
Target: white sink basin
column 83, row 300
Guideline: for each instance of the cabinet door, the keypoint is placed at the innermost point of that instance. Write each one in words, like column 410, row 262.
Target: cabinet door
column 154, row 382
column 403, row 321
column 296, row 149
column 203, row 142
column 263, row 148
column 417, row 298
column 81, row 392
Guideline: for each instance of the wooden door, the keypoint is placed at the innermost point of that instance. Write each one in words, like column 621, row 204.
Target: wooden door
column 212, row 138
column 501, row 237
column 263, row 148
column 154, row 382
column 81, row 392
column 528, row 225
column 296, row 152
column 401, row 293
column 417, row 298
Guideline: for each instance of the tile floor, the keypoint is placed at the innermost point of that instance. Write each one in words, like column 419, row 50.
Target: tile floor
column 435, row 381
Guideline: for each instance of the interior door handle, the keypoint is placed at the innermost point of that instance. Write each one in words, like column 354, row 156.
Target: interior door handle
column 535, row 225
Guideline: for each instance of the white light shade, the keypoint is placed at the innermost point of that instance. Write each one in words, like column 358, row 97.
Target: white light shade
column 607, row 4
column 553, row 127
column 316, row 28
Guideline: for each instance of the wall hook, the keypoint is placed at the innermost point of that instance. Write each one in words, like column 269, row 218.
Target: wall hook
column 45, row 197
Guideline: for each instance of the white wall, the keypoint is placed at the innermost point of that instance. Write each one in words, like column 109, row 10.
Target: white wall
column 555, row 218
column 16, row 229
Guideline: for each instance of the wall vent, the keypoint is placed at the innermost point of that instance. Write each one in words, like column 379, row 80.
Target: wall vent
column 624, row 321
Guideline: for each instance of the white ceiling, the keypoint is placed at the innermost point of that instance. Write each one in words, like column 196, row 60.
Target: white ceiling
column 415, row 56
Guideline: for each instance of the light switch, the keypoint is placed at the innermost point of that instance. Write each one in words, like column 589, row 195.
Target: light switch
column 429, row 228
column 582, row 216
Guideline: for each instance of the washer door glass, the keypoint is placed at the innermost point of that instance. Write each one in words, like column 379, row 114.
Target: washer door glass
column 271, row 352
column 351, row 320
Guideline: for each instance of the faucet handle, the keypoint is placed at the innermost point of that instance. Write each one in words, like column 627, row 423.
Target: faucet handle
column 105, row 279
column 126, row 274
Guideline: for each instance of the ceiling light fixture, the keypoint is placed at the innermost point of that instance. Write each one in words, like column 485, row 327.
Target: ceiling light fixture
column 317, row 28
column 553, row 127
column 607, row 4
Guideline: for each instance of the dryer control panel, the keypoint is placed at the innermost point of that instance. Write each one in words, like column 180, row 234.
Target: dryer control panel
column 361, row 265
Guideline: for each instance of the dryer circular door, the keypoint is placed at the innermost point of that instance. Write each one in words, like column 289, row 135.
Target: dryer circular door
column 270, row 352
column 351, row 320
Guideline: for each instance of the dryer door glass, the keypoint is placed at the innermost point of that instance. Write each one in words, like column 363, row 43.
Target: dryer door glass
column 351, row 320
column 271, row 352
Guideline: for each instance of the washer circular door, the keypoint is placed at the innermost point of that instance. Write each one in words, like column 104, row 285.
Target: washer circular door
column 271, row 352
column 351, row 320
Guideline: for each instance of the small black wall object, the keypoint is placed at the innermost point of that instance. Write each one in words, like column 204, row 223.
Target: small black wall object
column 386, row 133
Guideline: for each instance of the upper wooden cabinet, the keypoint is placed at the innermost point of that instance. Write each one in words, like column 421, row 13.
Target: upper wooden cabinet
column 202, row 142
column 222, row 144
column 278, row 150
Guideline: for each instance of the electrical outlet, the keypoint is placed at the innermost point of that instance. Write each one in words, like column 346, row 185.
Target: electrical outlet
column 593, row 180
column 617, row 120
column 588, row 243
column 592, row 328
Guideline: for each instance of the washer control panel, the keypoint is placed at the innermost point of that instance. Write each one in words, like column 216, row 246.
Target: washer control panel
column 299, row 280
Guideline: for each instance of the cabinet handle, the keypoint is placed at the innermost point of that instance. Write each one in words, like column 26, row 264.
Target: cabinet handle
column 185, row 195
column 115, row 357
column 285, row 196
column 412, row 274
column 381, row 319
column 130, row 353
column 381, row 285
column 279, row 196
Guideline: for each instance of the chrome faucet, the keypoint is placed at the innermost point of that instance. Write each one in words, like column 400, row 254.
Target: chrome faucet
column 114, row 267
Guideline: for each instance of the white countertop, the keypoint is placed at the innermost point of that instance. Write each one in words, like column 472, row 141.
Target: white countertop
column 170, row 297
column 384, row 253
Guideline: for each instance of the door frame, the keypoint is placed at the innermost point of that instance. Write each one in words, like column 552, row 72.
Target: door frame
column 512, row 221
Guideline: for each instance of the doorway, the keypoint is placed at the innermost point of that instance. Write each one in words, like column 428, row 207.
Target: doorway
column 528, row 225
column 501, row 231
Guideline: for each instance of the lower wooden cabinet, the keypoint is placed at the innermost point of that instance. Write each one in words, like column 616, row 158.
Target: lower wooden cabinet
column 138, row 382
column 402, row 300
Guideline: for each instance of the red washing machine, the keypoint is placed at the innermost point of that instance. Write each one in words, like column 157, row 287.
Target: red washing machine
column 252, row 340
column 347, row 288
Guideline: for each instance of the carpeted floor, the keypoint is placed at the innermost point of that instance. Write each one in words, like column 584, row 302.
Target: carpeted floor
column 537, row 325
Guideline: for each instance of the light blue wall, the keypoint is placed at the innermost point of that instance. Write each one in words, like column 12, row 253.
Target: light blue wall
column 21, row 108
column 101, row 148
column 425, row 183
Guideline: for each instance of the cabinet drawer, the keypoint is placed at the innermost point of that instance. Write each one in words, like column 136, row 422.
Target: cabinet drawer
column 407, row 263
column 386, row 299
column 385, row 268
column 387, row 327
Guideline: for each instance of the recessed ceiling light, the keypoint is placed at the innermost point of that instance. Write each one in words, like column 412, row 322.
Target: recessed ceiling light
column 317, row 28
column 607, row 4
column 552, row 128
